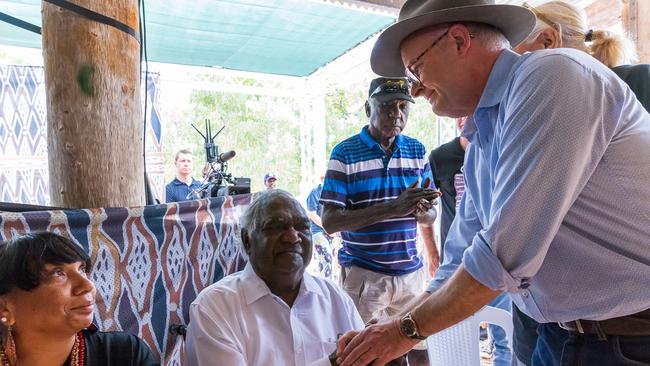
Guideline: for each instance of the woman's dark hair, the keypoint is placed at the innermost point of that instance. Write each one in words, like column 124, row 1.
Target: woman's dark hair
column 23, row 258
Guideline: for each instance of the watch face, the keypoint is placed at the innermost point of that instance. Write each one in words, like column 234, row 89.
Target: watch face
column 408, row 326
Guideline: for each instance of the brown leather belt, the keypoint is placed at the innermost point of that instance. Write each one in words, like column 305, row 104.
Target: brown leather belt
column 631, row 325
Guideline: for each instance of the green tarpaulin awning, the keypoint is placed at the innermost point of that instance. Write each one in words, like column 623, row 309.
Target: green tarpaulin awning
column 285, row 37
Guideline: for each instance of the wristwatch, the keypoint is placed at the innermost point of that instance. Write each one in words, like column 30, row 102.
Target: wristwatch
column 410, row 328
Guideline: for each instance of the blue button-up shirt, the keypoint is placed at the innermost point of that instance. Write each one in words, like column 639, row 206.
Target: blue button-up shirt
column 557, row 204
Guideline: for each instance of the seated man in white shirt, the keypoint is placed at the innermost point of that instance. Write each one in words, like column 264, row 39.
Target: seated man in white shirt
column 272, row 312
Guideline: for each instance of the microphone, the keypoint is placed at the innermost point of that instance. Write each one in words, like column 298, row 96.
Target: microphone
column 224, row 157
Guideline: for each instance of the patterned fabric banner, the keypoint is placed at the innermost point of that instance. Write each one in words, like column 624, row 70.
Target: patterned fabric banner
column 149, row 263
column 23, row 136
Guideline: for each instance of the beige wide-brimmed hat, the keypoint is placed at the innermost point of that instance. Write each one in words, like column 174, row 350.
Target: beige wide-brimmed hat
column 515, row 22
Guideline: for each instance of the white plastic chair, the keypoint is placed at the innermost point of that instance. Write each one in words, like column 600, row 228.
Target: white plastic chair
column 458, row 345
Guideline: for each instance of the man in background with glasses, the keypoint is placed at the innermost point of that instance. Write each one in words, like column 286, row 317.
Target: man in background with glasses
column 377, row 191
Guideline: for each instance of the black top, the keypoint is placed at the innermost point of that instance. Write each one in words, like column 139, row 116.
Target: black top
column 638, row 78
column 446, row 161
column 116, row 349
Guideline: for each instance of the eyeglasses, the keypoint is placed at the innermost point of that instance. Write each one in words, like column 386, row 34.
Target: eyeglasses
column 392, row 86
column 410, row 74
column 543, row 18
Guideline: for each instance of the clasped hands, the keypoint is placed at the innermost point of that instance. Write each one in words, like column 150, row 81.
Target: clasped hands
column 380, row 343
column 418, row 201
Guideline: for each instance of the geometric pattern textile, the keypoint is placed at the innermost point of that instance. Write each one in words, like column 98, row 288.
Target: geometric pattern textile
column 23, row 136
column 149, row 263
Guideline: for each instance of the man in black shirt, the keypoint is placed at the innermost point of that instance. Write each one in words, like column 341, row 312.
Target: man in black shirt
column 446, row 162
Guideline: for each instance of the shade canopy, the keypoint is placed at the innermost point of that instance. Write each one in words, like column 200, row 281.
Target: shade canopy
column 285, row 37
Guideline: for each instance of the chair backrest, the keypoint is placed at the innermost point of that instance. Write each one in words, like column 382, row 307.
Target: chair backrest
column 459, row 344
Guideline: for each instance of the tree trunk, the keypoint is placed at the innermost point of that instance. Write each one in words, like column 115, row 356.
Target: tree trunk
column 95, row 128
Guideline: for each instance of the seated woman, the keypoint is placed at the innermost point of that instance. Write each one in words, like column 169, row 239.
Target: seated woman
column 46, row 308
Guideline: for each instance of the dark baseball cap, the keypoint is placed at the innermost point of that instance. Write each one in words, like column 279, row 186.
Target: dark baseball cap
column 385, row 89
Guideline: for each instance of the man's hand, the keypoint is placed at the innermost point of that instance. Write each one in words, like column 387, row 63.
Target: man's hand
column 424, row 206
column 377, row 345
column 425, row 213
column 409, row 200
column 343, row 341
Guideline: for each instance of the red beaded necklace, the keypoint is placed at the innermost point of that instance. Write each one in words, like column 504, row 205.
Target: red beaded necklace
column 78, row 351
column 77, row 356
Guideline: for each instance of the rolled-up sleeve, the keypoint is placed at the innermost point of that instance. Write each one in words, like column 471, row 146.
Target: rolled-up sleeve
column 547, row 143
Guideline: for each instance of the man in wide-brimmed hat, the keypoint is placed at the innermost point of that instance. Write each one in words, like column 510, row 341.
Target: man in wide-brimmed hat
column 556, row 210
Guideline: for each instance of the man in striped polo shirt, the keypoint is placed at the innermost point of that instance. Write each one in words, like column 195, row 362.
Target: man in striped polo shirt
column 376, row 191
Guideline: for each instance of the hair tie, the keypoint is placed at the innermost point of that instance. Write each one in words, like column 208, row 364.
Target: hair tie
column 589, row 35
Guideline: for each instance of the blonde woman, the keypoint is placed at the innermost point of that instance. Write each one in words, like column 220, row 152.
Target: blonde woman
column 560, row 24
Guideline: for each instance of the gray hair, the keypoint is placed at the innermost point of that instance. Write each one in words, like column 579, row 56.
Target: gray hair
column 252, row 217
column 491, row 37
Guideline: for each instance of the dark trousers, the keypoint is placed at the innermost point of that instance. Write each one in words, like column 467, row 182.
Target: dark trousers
column 558, row 347
column 525, row 335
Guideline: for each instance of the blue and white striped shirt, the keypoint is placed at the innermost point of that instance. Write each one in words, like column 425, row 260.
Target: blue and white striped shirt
column 360, row 174
column 556, row 209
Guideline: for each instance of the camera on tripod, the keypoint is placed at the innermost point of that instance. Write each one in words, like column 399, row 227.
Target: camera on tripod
column 218, row 182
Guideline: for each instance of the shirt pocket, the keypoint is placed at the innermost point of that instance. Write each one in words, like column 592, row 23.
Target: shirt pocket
column 327, row 347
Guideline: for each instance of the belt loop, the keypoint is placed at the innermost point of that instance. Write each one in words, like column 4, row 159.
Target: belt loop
column 599, row 330
column 579, row 327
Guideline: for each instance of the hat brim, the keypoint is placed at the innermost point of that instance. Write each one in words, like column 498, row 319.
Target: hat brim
column 515, row 22
column 385, row 97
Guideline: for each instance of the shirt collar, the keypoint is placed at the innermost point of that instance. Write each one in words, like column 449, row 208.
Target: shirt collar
column 178, row 182
column 493, row 93
column 254, row 288
column 367, row 139
column 499, row 79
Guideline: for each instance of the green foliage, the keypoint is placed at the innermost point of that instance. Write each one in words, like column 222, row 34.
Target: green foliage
column 263, row 130
column 346, row 116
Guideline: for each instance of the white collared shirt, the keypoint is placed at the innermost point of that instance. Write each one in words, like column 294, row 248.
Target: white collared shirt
column 238, row 321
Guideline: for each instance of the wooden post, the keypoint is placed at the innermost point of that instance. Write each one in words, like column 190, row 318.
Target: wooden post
column 639, row 27
column 603, row 14
column 95, row 128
